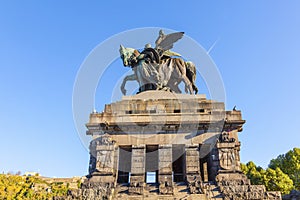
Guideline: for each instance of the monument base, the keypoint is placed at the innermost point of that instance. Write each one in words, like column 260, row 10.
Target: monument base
column 188, row 143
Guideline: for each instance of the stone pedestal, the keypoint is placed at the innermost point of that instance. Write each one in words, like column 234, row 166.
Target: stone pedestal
column 101, row 181
column 166, row 123
column 232, row 182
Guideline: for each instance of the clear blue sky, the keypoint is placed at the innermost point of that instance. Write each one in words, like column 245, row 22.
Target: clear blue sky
column 43, row 43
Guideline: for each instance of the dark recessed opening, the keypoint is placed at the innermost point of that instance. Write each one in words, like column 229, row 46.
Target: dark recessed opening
column 200, row 110
column 177, row 111
column 128, row 112
column 151, row 164
column 178, row 165
column 124, row 164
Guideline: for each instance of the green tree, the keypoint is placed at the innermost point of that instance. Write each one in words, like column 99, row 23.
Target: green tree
column 253, row 172
column 17, row 187
column 59, row 189
column 274, row 180
column 289, row 163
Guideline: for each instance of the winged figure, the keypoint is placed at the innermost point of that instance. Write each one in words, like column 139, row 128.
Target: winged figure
column 165, row 42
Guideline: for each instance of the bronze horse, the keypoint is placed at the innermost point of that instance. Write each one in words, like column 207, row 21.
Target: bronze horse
column 166, row 74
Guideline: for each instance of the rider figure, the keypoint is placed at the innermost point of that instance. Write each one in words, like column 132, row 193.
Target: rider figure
column 149, row 55
column 149, row 59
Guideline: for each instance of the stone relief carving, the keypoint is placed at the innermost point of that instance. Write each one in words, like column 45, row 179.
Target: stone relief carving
column 195, row 185
column 225, row 137
column 103, row 140
column 234, row 186
column 101, row 160
column 136, row 188
column 227, row 159
column 104, row 161
column 92, row 191
column 166, row 187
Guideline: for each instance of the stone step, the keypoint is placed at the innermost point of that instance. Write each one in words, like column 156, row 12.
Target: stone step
column 212, row 191
column 181, row 192
column 164, row 197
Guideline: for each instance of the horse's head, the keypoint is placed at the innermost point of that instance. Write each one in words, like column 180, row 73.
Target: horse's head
column 127, row 54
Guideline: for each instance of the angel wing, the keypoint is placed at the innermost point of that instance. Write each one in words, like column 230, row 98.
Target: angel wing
column 165, row 42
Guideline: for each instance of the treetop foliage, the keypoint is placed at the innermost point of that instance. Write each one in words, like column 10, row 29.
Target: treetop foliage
column 289, row 163
column 282, row 174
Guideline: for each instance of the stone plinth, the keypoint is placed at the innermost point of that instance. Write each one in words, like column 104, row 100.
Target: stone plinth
column 188, row 145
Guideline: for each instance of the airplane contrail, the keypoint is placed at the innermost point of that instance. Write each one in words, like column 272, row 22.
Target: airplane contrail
column 212, row 46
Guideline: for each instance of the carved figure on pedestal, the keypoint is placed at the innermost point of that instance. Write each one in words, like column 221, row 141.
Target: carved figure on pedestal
column 104, row 140
column 136, row 188
column 166, row 187
column 195, row 185
column 224, row 137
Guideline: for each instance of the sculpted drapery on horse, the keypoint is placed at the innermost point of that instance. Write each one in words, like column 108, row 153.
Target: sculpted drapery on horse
column 157, row 68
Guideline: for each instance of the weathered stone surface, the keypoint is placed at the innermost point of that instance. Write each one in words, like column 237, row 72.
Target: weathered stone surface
column 238, row 186
column 102, row 154
column 165, row 180
column 172, row 114
column 195, row 139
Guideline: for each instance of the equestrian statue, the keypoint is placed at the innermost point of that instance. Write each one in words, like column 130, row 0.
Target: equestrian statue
column 159, row 68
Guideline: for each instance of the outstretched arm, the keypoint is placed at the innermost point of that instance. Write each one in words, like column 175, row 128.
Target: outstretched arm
column 131, row 77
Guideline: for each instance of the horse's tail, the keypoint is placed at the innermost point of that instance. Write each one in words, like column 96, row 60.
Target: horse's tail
column 191, row 74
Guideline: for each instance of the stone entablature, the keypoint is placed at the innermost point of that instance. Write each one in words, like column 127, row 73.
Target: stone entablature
column 174, row 112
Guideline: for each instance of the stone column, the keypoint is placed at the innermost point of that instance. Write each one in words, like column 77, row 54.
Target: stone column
column 137, row 178
column 193, row 169
column 165, row 169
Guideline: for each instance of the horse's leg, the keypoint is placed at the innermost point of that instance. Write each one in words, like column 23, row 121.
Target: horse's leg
column 131, row 77
column 193, row 80
column 173, row 84
column 177, row 88
column 181, row 72
column 188, row 85
column 191, row 74
column 195, row 88
column 186, row 80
